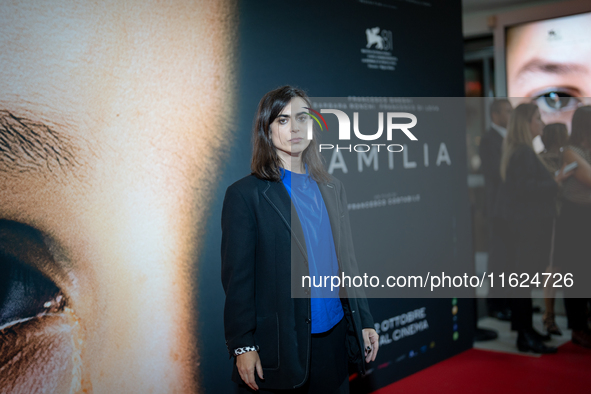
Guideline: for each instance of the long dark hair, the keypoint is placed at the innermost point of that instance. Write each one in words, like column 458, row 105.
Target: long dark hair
column 581, row 127
column 265, row 162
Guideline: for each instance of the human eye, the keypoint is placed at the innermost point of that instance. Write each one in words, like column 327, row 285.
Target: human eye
column 283, row 121
column 25, row 293
column 303, row 118
column 26, row 290
column 555, row 100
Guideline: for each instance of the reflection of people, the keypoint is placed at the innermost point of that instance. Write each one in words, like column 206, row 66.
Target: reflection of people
column 110, row 120
column 549, row 62
column 554, row 136
column 490, row 154
column 280, row 342
column 574, row 224
column 527, row 206
column 491, row 147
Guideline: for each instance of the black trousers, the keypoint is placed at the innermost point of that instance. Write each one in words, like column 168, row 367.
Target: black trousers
column 576, row 309
column 527, row 247
column 521, row 314
column 328, row 372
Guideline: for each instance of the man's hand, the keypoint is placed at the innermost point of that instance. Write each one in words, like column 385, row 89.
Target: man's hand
column 246, row 364
column 371, row 344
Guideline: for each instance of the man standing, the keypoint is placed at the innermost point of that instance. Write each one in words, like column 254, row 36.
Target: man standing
column 490, row 151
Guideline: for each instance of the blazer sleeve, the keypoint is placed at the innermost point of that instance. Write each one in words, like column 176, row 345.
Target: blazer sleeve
column 239, row 239
column 363, row 306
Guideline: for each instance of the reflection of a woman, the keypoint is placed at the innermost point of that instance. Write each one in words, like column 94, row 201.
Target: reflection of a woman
column 280, row 342
column 574, row 225
column 554, row 138
column 527, row 205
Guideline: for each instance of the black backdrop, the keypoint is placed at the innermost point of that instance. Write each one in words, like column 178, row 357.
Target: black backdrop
column 318, row 46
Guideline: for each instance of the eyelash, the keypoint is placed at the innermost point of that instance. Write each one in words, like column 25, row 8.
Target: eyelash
column 25, row 292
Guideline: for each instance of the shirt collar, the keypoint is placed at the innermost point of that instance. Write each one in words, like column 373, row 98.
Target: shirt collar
column 501, row 130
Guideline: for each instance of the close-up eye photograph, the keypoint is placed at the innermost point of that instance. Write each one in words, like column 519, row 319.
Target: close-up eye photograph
column 548, row 61
column 234, row 196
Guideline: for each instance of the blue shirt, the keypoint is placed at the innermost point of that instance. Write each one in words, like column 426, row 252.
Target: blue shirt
column 326, row 306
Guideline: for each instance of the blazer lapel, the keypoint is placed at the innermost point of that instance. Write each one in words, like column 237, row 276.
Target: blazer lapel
column 279, row 199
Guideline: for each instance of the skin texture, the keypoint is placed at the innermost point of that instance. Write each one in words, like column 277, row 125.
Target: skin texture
column 112, row 132
column 539, row 63
column 34, row 350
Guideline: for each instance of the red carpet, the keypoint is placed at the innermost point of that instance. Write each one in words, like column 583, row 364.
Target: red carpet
column 480, row 371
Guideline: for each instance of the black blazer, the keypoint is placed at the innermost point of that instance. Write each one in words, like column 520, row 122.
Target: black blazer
column 490, row 150
column 260, row 258
column 529, row 191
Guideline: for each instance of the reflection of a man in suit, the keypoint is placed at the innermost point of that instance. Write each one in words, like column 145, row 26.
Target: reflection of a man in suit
column 490, row 155
column 112, row 117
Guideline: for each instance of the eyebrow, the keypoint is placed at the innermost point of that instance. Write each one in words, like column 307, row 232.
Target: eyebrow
column 289, row 116
column 28, row 146
column 539, row 65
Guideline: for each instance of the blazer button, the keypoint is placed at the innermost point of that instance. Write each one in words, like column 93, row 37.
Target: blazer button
column 308, row 320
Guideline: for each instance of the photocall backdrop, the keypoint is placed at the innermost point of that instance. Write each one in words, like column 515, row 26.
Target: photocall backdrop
column 389, row 48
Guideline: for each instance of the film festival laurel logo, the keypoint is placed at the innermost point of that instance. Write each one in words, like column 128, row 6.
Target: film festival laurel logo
column 377, row 39
column 377, row 54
